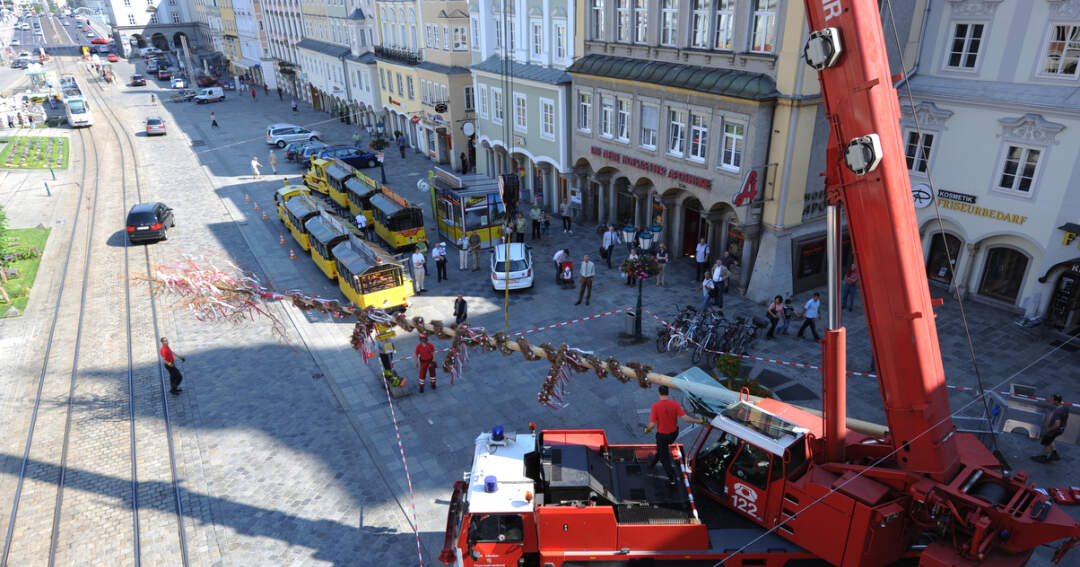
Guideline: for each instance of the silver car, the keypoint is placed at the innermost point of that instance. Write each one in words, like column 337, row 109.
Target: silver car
column 281, row 135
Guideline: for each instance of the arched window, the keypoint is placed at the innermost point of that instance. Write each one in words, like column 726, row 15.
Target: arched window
column 385, row 27
column 943, row 249
column 1003, row 273
column 412, row 30
column 401, row 26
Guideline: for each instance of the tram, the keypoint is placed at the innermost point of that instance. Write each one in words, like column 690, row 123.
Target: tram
column 337, row 173
column 298, row 211
column 399, row 223
column 325, row 231
column 369, row 277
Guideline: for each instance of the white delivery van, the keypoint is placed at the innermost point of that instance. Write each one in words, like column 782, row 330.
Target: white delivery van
column 210, row 94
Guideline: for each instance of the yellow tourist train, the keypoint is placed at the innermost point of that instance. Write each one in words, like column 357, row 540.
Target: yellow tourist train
column 336, row 173
column 359, row 189
column 298, row 210
column 282, row 196
column 399, row 223
column 315, row 177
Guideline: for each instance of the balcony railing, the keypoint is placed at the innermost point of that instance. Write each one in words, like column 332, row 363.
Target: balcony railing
column 406, row 56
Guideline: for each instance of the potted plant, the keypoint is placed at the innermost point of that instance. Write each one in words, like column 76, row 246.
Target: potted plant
column 378, row 144
column 396, row 383
column 643, row 267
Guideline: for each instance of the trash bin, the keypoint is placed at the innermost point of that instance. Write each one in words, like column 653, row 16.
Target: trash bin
column 631, row 317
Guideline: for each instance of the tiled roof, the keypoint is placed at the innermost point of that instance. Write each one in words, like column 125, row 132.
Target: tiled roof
column 1005, row 94
column 524, row 71
column 712, row 80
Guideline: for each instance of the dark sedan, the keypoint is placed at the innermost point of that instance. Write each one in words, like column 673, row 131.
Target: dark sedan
column 164, row 74
column 356, row 157
column 149, row 221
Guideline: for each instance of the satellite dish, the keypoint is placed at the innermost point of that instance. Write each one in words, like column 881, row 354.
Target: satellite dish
column 468, row 128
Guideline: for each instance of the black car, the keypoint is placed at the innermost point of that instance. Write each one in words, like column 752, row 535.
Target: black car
column 149, row 221
column 138, row 81
column 356, row 157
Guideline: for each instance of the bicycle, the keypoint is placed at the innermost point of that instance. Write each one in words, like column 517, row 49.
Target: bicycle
column 664, row 332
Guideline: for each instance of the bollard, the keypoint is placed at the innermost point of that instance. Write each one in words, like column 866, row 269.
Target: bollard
column 53, row 173
column 47, row 189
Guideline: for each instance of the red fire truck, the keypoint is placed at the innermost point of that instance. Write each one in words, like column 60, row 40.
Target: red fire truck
column 766, row 483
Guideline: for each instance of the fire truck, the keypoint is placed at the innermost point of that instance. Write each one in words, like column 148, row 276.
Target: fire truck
column 765, row 483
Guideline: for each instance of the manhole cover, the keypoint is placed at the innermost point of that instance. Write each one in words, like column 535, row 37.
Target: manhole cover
column 197, row 143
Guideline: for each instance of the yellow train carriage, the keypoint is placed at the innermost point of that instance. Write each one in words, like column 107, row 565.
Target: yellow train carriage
column 369, row 277
column 398, row 223
column 282, row 196
column 337, row 172
column 358, row 191
column 315, row 178
column 325, row 231
column 297, row 212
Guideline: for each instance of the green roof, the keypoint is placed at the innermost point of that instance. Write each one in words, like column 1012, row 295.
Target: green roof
column 711, row 80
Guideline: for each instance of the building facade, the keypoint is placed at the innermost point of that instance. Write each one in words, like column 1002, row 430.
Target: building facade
column 284, row 29
column 360, row 67
column 521, row 94
column 996, row 92
column 158, row 23
column 249, row 62
column 398, row 58
column 443, row 82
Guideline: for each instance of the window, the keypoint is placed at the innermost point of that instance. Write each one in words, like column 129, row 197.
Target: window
column 918, row 151
column 459, row 38
column 764, row 26
column 1062, row 51
column 496, row 105
column 560, row 41
column 699, row 20
column 965, row 46
column 475, row 25
column 428, row 42
column 131, row 19
column 622, row 120
column 521, row 113
column 382, row 77
column 445, row 97
column 424, row 92
column 699, row 135
column 1003, row 274
column 596, row 28
column 641, row 20
column 497, row 528
column 649, row 123
column 676, row 131
column 446, row 37
column 153, row 19
column 511, row 35
column 483, row 101
column 607, row 114
column 127, row 3
column 1018, row 171
column 622, row 20
column 538, row 38
column 399, row 89
column 731, row 154
column 584, row 117
column 410, row 84
column 669, row 21
column 547, row 119
column 498, row 31
column 469, row 107
column 176, row 18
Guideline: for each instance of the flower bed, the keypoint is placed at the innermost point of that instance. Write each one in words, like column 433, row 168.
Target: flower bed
column 24, row 259
column 34, row 152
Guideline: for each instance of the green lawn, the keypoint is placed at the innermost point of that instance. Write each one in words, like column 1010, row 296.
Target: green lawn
column 18, row 287
column 34, row 152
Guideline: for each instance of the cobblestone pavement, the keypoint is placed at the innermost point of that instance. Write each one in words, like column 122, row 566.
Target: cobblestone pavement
column 288, row 455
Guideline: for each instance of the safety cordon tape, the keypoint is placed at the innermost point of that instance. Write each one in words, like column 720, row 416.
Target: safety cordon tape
column 544, row 328
column 408, row 477
column 851, row 372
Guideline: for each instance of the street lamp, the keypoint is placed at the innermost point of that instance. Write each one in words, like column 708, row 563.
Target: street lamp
column 381, row 157
column 628, row 233
column 645, row 241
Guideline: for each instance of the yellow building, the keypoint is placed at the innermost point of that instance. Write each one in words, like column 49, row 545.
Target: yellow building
column 230, row 40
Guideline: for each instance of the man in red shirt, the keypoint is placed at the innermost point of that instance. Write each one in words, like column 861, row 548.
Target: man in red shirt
column 169, row 358
column 425, row 355
column 664, row 418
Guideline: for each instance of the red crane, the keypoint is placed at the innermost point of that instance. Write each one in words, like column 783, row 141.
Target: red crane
column 767, row 483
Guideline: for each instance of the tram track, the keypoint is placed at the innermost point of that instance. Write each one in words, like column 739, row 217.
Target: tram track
column 90, row 440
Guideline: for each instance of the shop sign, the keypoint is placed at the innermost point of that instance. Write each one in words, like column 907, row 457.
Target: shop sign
column 922, row 196
column 681, row 176
column 438, row 119
column 1072, row 232
column 971, row 209
column 954, row 196
column 392, row 101
column 519, row 140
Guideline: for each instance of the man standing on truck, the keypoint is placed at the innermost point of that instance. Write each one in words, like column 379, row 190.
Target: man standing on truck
column 664, row 418
column 1055, row 426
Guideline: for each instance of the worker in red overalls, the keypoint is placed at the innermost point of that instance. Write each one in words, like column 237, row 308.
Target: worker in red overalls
column 425, row 356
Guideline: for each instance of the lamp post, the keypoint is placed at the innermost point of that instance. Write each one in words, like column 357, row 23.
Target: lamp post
column 628, row 236
column 645, row 241
column 382, row 170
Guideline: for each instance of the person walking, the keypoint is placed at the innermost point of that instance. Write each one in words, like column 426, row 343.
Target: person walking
column 788, row 314
column 811, row 315
column 588, row 272
column 664, row 417
column 463, row 254
column 519, row 228
column 280, row 95
column 1054, row 427
column 419, row 265
column 558, row 259
column 720, row 274
column 273, row 161
column 213, row 121
column 255, row 165
column 401, row 144
column 701, row 256
column 564, row 212
column 662, row 259
column 461, row 310
column 294, row 105
column 474, row 247
column 266, row 89
column 252, row 94
column 608, row 242
column 425, row 358
column 169, row 358
column 706, row 292
column 534, row 216
column 774, row 312
column 851, row 286
column 545, row 227
column 729, row 261
column 439, row 255
column 356, row 138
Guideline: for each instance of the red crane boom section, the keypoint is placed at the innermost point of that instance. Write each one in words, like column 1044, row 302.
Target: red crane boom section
column 860, row 99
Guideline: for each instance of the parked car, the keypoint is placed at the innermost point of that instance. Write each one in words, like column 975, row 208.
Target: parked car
column 149, row 51
column 356, row 157
column 112, row 58
column 99, row 40
column 155, row 126
column 177, row 83
column 164, row 74
column 151, row 66
column 15, row 41
column 515, row 274
column 138, row 80
column 149, row 221
column 292, row 150
column 205, row 81
column 210, row 94
column 281, row 134
column 304, row 159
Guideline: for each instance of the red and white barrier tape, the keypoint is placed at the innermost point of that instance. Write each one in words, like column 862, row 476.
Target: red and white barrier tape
column 543, row 328
column 851, row 372
column 405, row 463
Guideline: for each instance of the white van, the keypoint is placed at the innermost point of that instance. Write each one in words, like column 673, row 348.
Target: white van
column 210, row 94
column 78, row 113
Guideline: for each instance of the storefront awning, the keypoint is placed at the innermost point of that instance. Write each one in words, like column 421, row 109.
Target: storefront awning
column 1070, row 227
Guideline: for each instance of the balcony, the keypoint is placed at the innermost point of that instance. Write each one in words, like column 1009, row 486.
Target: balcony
column 398, row 55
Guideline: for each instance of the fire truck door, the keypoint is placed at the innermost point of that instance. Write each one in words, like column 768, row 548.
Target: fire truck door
column 495, row 540
column 747, row 482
